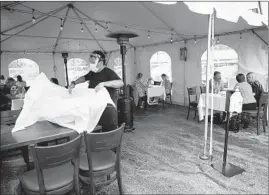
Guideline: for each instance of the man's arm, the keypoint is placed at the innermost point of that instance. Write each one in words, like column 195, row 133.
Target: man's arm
column 114, row 84
column 79, row 80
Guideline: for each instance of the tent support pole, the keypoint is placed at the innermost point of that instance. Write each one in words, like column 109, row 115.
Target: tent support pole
column 155, row 15
column 259, row 37
column 29, row 21
column 74, row 9
column 204, row 156
column 30, row 26
column 89, row 18
column 212, row 65
column 60, row 32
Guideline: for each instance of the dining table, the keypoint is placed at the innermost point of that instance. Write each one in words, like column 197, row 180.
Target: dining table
column 155, row 91
column 41, row 131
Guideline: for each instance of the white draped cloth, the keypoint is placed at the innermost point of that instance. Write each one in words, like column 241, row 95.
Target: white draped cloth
column 80, row 110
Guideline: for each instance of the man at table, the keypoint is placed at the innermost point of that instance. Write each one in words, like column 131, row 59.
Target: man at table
column 100, row 76
column 166, row 84
column 257, row 88
column 218, row 84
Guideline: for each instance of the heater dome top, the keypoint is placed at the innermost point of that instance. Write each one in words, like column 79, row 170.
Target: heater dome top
column 122, row 34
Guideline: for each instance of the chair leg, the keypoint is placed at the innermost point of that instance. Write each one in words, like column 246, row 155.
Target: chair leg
column 188, row 113
column 195, row 113
column 258, row 124
column 25, row 154
column 264, row 123
column 119, row 180
column 92, row 187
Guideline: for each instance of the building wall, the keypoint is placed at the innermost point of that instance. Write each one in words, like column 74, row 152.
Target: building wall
column 253, row 56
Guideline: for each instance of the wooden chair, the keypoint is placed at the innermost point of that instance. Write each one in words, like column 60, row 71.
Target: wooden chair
column 8, row 118
column 56, row 169
column 192, row 103
column 260, row 113
column 99, row 159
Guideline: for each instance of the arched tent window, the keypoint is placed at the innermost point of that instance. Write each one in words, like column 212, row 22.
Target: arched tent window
column 76, row 68
column 27, row 68
column 117, row 66
column 226, row 62
column 160, row 63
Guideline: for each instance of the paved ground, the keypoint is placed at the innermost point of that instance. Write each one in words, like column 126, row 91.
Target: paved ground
column 162, row 156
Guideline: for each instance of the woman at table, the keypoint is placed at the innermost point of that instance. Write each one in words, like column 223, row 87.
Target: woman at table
column 249, row 102
column 142, row 90
column 20, row 83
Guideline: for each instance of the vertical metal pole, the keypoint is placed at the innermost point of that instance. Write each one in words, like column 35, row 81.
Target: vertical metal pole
column 66, row 72
column 204, row 156
column 123, row 52
column 212, row 64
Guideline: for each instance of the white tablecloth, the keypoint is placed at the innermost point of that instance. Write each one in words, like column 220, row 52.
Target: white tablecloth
column 219, row 103
column 155, row 91
column 17, row 104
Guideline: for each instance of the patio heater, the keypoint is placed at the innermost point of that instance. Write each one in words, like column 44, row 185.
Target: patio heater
column 125, row 103
column 65, row 56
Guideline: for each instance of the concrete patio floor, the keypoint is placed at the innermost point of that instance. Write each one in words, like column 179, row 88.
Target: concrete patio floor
column 162, row 157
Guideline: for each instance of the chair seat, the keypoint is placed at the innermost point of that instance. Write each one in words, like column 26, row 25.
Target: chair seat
column 194, row 104
column 54, row 178
column 100, row 160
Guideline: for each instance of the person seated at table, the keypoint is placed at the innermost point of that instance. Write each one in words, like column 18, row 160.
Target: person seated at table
column 10, row 82
column 5, row 101
column 55, row 81
column 142, row 90
column 218, row 84
column 2, row 79
column 257, row 88
column 249, row 102
column 20, row 84
column 166, row 84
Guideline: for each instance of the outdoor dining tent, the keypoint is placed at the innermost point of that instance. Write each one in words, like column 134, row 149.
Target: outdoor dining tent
column 160, row 27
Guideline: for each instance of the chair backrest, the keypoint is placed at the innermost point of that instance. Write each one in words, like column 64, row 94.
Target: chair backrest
column 96, row 142
column 263, row 102
column 203, row 89
column 192, row 92
column 53, row 156
column 9, row 117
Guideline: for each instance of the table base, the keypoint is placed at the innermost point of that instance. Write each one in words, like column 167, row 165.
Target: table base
column 229, row 170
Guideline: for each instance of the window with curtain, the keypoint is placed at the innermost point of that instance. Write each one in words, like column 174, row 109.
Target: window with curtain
column 27, row 68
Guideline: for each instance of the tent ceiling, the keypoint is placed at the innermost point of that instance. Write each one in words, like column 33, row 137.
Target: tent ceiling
column 143, row 18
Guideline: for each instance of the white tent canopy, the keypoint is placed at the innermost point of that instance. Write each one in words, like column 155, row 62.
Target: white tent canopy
column 156, row 24
column 160, row 22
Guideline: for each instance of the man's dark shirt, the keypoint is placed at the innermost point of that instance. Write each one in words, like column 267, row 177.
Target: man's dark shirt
column 105, row 75
column 257, row 89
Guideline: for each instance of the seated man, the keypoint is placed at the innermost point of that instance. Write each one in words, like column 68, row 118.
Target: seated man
column 166, row 84
column 100, row 76
column 256, row 86
column 218, row 84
